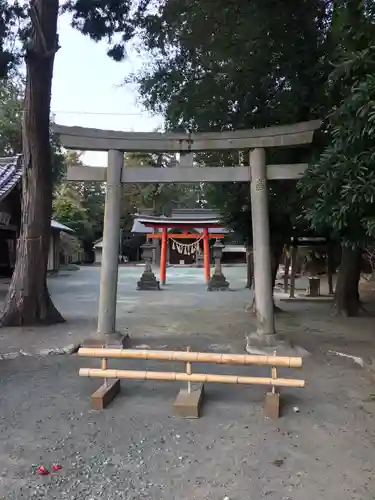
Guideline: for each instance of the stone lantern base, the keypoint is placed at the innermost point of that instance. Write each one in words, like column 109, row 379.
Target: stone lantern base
column 217, row 283
column 148, row 281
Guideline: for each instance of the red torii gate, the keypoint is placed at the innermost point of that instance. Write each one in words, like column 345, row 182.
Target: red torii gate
column 187, row 224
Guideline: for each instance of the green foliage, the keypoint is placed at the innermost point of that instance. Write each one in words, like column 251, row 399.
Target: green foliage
column 11, row 106
column 234, row 203
column 68, row 209
column 340, row 185
column 11, row 109
column 161, row 198
column 80, row 205
column 13, row 14
column 261, row 63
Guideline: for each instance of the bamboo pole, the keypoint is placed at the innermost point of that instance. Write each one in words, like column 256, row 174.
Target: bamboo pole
column 188, row 370
column 192, row 357
column 184, row 377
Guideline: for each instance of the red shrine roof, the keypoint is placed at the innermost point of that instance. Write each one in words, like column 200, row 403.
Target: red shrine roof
column 153, row 221
column 180, row 218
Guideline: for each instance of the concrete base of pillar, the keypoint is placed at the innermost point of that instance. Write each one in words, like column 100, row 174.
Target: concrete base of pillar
column 217, row 283
column 268, row 344
column 148, row 281
column 113, row 340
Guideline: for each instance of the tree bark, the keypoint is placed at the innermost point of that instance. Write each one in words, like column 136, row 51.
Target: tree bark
column 276, row 253
column 250, row 267
column 293, row 258
column 346, row 298
column 330, row 268
column 28, row 301
column 286, row 269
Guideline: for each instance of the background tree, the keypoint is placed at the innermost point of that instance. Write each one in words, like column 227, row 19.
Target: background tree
column 340, row 185
column 247, row 72
column 11, row 107
column 28, row 300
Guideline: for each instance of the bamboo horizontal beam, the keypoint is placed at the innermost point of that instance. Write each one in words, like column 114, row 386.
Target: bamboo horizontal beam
column 178, row 236
column 185, row 377
column 193, row 357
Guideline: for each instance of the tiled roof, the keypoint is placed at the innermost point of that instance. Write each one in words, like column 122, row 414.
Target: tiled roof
column 10, row 175
column 61, row 227
column 138, row 227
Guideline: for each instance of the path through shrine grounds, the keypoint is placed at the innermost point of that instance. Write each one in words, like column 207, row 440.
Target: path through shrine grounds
column 321, row 448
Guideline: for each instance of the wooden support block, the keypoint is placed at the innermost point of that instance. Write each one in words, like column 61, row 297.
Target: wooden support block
column 272, row 405
column 105, row 394
column 188, row 405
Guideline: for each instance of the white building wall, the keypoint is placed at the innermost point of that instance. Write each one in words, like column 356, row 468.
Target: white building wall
column 98, row 255
column 54, row 252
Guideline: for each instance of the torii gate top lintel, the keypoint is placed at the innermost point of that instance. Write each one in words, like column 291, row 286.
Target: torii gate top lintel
column 91, row 139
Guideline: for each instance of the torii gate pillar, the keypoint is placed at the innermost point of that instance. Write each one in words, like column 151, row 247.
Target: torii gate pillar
column 261, row 244
column 111, row 243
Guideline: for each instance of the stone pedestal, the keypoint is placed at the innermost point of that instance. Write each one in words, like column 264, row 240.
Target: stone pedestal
column 217, row 282
column 314, row 287
column 148, row 279
column 114, row 340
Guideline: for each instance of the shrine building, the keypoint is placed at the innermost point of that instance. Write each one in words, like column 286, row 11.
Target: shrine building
column 185, row 238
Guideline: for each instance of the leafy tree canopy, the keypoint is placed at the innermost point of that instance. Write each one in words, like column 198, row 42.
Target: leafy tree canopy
column 340, row 185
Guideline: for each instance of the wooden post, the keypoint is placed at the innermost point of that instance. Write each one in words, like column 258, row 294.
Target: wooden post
column 206, row 253
column 163, row 256
column 293, row 274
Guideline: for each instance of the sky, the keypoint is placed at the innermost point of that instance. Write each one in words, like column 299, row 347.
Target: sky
column 87, row 89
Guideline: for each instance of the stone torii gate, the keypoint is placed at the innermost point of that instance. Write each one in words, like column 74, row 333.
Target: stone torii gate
column 115, row 174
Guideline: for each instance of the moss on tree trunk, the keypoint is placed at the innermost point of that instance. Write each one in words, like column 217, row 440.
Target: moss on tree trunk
column 28, row 301
column 346, row 298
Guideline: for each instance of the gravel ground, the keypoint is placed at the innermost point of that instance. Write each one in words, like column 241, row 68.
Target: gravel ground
column 136, row 450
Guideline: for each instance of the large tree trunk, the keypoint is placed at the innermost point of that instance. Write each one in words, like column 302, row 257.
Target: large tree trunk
column 28, row 301
column 249, row 267
column 276, row 253
column 286, row 268
column 346, row 301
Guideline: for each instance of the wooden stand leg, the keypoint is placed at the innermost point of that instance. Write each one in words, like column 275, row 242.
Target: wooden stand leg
column 105, row 394
column 163, row 257
column 206, row 254
column 188, row 404
column 272, row 405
